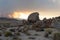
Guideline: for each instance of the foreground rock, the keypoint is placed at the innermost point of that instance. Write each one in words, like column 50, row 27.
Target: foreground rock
column 37, row 25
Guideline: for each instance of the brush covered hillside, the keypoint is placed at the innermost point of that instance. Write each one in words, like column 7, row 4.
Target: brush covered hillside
column 31, row 29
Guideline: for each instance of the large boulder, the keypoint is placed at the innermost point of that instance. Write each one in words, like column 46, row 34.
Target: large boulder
column 33, row 17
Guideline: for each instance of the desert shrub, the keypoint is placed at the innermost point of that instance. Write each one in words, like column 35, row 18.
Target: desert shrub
column 56, row 36
column 6, row 25
column 0, row 34
column 36, row 34
column 19, row 39
column 27, row 33
column 49, row 30
column 8, row 34
column 18, row 33
column 19, row 30
column 31, row 38
column 16, row 38
column 46, row 35
column 0, row 28
column 0, row 39
column 39, row 29
column 25, row 29
column 12, row 30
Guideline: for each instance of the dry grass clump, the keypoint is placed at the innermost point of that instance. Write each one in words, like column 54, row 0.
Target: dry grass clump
column 48, row 30
column 31, row 37
column 7, row 33
column 56, row 36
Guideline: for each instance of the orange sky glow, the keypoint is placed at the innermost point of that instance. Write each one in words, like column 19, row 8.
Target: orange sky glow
column 25, row 14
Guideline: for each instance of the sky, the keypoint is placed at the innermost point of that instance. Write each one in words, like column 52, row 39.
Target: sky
column 46, row 8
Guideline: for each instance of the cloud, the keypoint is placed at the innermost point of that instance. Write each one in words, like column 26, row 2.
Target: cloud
column 7, row 6
column 55, row 1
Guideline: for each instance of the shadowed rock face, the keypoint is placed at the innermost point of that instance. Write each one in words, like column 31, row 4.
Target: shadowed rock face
column 37, row 25
column 32, row 18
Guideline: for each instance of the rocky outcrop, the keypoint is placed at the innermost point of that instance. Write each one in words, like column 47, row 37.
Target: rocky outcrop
column 33, row 17
column 22, row 22
column 56, row 23
column 38, row 26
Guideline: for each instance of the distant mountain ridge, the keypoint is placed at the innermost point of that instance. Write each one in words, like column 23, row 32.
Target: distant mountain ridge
column 4, row 18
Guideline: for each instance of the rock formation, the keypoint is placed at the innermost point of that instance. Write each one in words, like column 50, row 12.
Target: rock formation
column 32, row 18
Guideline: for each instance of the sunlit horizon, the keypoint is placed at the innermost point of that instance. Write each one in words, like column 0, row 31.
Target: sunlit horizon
column 24, row 15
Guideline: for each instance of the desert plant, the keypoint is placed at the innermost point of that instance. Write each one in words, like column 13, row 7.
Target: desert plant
column 18, row 33
column 0, row 39
column 56, row 36
column 0, row 34
column 36, row 34
column 12, row 30
column 16, row 38
column 19, row 39
column 27, row 33
column 41, row 29
column 31, row 38
column 46, row 35
column 8, row 34
column 49, row 30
